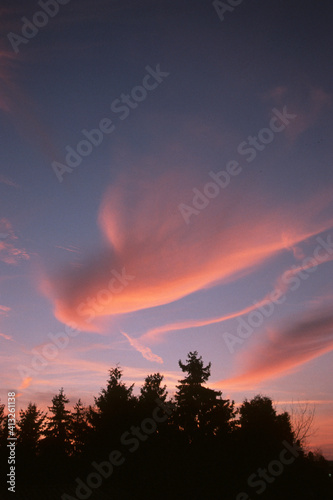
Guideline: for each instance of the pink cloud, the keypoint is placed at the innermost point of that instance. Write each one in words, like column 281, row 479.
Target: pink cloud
column 280, row 288
column 145, row 351
column 166, row 259
column 285, row 350
column 7, row 337
column 4, row 309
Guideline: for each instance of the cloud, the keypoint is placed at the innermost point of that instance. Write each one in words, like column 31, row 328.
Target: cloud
column 4, row 309
column 7, row 337
column 26, row 383
column 156, row 333
column 145, row 351
column 69, row 248
column 8, row 181
column 9, row 252
column 147, row 238
column 284, row 351
column 281, row 287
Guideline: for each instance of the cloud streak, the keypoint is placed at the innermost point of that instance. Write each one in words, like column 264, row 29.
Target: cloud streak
column 282, row 285
column 146, row 236
column 9, row 252
column 145, row 351
column 285, row 350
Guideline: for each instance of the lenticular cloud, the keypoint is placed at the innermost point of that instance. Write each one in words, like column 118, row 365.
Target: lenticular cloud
column 160, row 258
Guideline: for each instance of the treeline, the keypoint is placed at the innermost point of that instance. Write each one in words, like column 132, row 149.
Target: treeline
column 196, row 445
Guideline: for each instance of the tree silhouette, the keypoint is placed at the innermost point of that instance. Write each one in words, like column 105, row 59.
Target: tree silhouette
column 198, row 451
column 58, row 425
column 262, row 430
column 31, row 426
column 2, row 421
column 113, row 409
column 152, row 390
column 200, row 410
column 79, row 427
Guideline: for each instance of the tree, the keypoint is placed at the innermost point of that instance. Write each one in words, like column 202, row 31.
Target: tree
column 116, row 395
column 302, row 417
column 58, row 425
column 31, row 426
column 79, row 427
column 262, row 429
column 2, row 421
column 113, row 408
column 152, row 390
column 200, row 410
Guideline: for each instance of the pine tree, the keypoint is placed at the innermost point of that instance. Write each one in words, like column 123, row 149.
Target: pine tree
column 152, row 390
column 58, row 425
column 31, row 426
column 201, row 411
column 113, row 408
column 79, row 427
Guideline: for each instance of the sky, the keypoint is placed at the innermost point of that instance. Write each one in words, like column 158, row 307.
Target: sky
column 166, row 187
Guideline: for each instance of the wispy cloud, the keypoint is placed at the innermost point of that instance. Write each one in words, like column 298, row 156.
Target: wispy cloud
column 281, row 287
column 7, row 337
column 26, row 383
column 69, row 248
column 4, row 309
column 8, row 181
column 285, row 350
column 145, row 351
column 10, row 253
column 149, row 239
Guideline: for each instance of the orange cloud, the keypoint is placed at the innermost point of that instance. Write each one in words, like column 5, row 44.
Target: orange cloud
column 166, row 259
column 281, row 287
column 286, row 350
column 25, row 383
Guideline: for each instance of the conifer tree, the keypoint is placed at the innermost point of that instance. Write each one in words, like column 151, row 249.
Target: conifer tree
column 58, row 425
column 31, row 425
column 79, row 427
column 152, row 389
column 200, row 410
